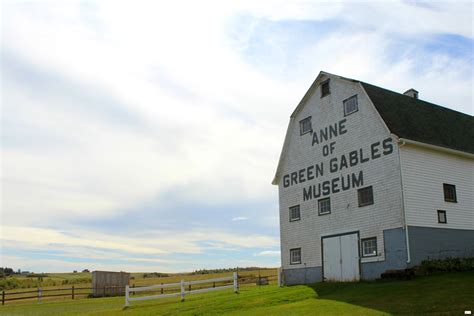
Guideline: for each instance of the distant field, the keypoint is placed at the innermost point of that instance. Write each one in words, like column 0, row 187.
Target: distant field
column 60, row 279
column 448, row 293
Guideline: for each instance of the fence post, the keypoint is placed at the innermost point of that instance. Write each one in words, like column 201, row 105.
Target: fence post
column 189, row 288
column 39, row 294
column 236, row 283
column 127, row 296
column 213, row 284
column 3, row 297
column 182, row 290
column 162, row 291
column 73, row 292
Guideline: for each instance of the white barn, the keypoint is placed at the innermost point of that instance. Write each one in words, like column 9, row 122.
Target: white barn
column 372, row 180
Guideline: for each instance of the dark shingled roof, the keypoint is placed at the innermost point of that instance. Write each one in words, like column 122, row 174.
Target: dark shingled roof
column 422, row 121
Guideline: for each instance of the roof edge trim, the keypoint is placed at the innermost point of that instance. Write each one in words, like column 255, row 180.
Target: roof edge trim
column 438, row 148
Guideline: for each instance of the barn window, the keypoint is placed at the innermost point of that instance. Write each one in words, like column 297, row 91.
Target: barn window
column 324, row 206
column 295, row 213
column 442, row 217
column 369, row 247
column 305, row 126
column 295, row 256
column 350, row 105
column 449, row 192
column 366, row 196
column 325, row 88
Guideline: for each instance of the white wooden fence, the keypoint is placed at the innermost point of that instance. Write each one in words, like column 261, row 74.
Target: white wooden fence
column 183, row 291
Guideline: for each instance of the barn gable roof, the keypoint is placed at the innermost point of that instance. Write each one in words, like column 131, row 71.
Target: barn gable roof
column 422, row 121
column 407, row 118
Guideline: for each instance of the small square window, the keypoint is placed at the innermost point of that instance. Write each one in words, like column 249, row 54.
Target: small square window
column 324, row 206
column 295, row 213
column 369, row 247
column 442, row 217
column 449, row 192
column 325, row 88
column 350, row 105
column 305, row 126
column 295, row 256
column 366, row 196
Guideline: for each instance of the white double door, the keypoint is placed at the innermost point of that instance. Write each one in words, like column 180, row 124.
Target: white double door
column 341, row 258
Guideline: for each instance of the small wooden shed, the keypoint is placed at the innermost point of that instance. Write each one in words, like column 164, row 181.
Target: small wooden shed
column 107, row 283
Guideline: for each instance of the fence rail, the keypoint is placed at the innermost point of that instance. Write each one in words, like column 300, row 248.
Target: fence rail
column 182, row 292
column 41, row 293
column 168, row 289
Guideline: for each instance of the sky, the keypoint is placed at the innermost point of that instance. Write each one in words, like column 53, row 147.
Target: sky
column 144, row 136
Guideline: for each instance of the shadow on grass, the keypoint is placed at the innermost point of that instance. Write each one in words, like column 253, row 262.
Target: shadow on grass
column 441, row 293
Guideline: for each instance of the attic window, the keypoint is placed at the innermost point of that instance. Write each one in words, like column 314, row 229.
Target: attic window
column 325, row 88
column 449, row 192
column 305, row 126
column 350, row 105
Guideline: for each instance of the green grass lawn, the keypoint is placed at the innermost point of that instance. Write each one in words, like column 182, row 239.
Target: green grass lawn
column 448, row 293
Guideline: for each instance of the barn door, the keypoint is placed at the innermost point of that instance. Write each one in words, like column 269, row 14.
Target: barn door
column 341, row 258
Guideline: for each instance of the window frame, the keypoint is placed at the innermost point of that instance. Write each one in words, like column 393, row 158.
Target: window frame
column 362, row 247
column 299, row 213
column 310, row 124
column 359, row 196
column 291, row 257
column 346, row 100
column 446, row 198
column 445, row 217
column 319, row 206
column 329, row 88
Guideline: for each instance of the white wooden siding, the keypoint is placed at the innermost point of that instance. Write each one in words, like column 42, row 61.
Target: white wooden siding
column 423, row 172
column 364, row 127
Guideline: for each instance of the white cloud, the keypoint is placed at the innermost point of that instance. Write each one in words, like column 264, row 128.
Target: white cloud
column 239, row 218
column 145, row 243
column 269, row 253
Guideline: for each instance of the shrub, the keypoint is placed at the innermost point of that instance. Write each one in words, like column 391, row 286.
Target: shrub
column 447, row 265
column 10, row 283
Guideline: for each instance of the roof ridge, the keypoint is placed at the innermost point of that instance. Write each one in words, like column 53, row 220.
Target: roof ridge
column 417, row 100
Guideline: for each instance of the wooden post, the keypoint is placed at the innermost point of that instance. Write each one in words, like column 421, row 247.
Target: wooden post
column 39, row 294
column 189, row 288
column 73, row 292
column 133, row 293
column 3, row 297
column 162, row 290
column 182, row 290
column 213, row 284
column 127, row 296
column 236, row 283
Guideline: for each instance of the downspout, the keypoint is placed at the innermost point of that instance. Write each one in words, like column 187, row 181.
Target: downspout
column 401, row 144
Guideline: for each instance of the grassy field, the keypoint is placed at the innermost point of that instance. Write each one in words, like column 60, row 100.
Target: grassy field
column 448, row 293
